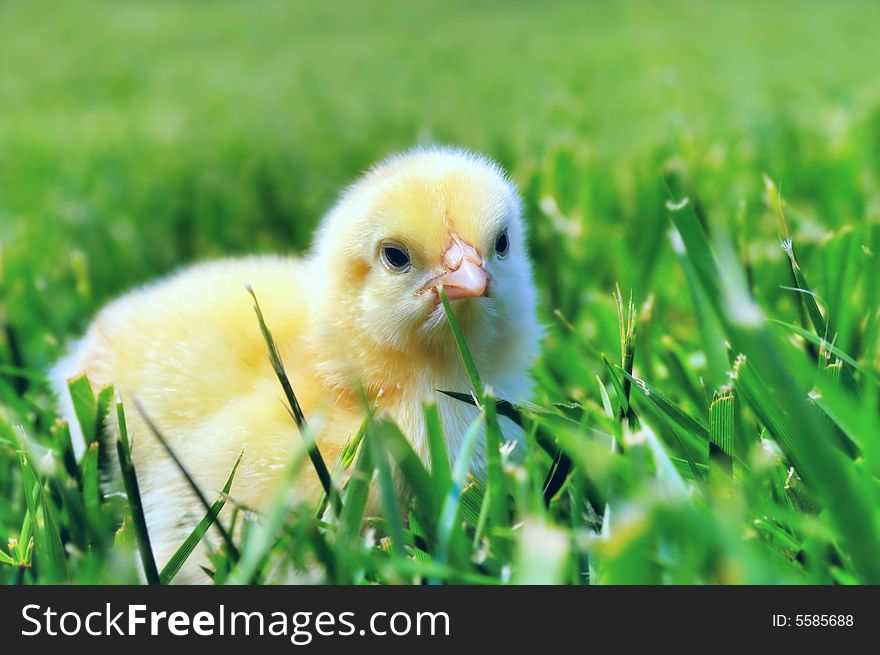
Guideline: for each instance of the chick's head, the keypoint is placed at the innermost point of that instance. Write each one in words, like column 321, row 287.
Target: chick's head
column 417, row 221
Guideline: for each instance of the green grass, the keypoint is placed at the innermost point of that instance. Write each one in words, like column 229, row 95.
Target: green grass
column 723, row 428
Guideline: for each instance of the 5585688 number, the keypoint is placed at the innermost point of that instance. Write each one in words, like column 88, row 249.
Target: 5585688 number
column 813, row 620
column 823, row 620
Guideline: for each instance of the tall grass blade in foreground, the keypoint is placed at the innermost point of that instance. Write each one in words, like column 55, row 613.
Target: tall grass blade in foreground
column 349, row 526
column 440, row 467
column 132, row 492
column 494, row 473
column 227, row 539
column 447, row 519
column 295, row 409
column 387, row 490
column 189, row 545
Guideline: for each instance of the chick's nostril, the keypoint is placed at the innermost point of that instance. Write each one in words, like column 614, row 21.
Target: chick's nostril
column 453, row 256
column 458, row 252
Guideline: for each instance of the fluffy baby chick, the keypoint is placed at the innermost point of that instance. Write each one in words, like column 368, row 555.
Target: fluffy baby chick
column 360, row 311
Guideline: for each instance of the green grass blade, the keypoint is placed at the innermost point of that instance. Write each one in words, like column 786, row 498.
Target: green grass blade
column 827, row 346
column 685, row 421
column 132, row 492
column 412, row 470
column 227, row 539
column 419, row 539
column 606, row 399
column 344, row 461
column 387, row 491
column 808, row 297
column 494, row 473
column 356, row 494
column 48, row 546
column 103, row 403
column 294, row 407
column 471, row 503
column 626, row 322
column 349, row 452
column 180, row 556
column 624, row 405
column 463, row 349
column 502, row 407
column 63, row 443
column 757, row 394
column 84, row 406
column 441, row 471
column 91, row 484
column 447, row 520
column 710, row 329
column 721, row 427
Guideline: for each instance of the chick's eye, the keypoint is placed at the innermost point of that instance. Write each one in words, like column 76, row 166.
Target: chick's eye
column 395, row 257
column 502, row 244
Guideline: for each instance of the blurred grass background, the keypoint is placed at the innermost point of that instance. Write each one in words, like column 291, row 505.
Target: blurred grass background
column 136, row 136
column 139, row 136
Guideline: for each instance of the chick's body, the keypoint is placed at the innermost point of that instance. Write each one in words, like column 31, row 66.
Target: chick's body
column 359, row 312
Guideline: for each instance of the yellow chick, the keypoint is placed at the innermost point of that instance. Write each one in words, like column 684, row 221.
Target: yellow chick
column 359, row 311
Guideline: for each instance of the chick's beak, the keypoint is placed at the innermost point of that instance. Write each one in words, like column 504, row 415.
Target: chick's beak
column 465, row 276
